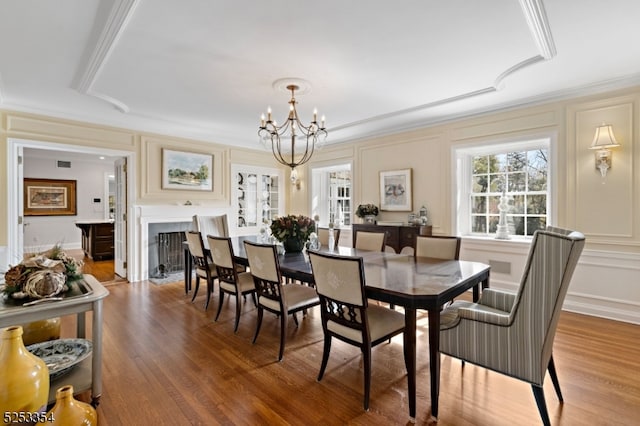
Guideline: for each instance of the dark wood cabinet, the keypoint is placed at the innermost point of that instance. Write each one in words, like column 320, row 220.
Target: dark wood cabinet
column 397, row 236
column 97, row 239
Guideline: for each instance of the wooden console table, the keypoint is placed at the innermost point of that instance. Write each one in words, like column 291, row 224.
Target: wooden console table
column 398, row 236
column 87, row 375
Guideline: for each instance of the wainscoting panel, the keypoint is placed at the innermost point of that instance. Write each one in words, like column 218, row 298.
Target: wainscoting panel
column 605, row 284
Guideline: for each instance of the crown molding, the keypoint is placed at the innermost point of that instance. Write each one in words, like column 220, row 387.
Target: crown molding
column 97, row 53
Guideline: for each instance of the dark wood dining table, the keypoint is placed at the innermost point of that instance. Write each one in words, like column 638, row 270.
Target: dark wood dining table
column 401, row 280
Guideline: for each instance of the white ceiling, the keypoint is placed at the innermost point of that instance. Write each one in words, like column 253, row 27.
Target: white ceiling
column 205, row 69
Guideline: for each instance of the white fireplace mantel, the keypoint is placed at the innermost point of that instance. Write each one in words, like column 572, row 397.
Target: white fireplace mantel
column 147, row 214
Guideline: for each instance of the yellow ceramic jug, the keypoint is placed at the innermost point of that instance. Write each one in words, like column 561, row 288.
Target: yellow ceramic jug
column 24, row 380
column 69, row 411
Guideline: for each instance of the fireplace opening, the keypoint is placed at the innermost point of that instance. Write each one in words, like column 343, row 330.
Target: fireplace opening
column 165, row 250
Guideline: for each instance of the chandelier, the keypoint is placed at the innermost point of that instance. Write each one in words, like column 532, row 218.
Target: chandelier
column 292, row 143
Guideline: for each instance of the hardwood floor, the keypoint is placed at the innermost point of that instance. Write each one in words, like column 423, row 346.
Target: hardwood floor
column 167, row 362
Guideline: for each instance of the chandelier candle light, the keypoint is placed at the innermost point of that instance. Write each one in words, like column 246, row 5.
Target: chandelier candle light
column 303, row 139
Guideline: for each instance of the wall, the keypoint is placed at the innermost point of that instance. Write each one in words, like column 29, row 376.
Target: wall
column 42, row 232
column 607, row 280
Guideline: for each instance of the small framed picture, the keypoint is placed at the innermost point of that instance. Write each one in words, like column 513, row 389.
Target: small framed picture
column 395, row 190
column 49, row 197
column 187, row 170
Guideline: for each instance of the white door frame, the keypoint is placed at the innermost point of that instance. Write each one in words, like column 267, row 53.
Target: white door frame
column 15, row 184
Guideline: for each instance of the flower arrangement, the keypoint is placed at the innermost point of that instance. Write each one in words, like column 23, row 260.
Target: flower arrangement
column 297, row 227
column 367, row 210
column 44, row 275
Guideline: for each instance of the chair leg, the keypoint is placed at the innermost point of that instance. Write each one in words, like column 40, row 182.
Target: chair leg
column 195, row 291
column 258, row 324
column 255, row 300
column 235, row 327
column 209, row 291
column 538, row 393
column 221, row 293
column 366, row 352
column 283, row 334
column 295, row 319
column 554, row 378
column 325, row 355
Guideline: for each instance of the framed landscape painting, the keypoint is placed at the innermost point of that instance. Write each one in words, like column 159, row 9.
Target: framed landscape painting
column 395, row 190
column 49, row 197
column 187, row 170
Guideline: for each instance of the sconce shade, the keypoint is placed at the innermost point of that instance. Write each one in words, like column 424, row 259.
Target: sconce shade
column 604, row 138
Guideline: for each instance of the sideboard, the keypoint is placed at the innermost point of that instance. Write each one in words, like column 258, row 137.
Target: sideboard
column 398, row 236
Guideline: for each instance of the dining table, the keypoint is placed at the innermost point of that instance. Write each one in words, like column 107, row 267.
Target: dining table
column 398, row 279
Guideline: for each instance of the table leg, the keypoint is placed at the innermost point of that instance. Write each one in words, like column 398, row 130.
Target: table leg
column 434, row 358
column 81, row 330
column 410, row 357
column 96, row 362
column 187, row 271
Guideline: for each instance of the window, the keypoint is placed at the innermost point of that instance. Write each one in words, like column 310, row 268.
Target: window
column 331, row 194
column 518, row 171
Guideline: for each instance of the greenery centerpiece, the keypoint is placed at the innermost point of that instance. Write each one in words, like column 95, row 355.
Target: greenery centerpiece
column 43, row 275
column 368, row 212
column 293, row 231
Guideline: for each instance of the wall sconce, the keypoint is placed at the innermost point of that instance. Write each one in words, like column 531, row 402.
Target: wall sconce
column 602, row 141
column 294, row 179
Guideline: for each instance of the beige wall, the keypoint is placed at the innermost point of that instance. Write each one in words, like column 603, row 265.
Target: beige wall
column 608, row 278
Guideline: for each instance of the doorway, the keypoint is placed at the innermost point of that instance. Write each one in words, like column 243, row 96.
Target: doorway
column 124, row 199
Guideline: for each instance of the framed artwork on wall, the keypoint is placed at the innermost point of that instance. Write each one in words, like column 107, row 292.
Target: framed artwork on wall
column 49, row 197
column 187, row 170
column 395, row 190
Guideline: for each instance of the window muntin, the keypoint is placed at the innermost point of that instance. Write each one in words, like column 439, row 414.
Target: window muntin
column 522, row 174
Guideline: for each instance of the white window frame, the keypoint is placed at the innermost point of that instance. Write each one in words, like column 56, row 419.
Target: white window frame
column 319, row 194
column 462, row 155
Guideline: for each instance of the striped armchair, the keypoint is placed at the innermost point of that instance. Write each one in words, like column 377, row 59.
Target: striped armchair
column 512, row 333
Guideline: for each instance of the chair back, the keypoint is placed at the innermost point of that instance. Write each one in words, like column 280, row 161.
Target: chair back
column 372, row 241
column 217, row 226
column 265, row 269
column 338, row 277
column 438, row 247
column 323, row 236
column 197, row 250
column 221, row 251
column 553, row 257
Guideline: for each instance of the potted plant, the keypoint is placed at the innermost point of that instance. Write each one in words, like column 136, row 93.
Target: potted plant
column 368, row 212
column 293, row 231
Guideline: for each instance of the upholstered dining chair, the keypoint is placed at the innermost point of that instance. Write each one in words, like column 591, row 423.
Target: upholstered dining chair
column 218, row 226
column 438, row 247
column 231, row 280
column 372, row 241
column 204, row 268
column 513, row 333
column 346, row 314
column 323, row 236
column 273, row 295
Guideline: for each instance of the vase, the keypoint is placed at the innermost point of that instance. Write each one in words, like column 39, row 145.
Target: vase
column 41, row 331
column 24, row 376
column 70, row 411
column 370, row 219
column 293, row 245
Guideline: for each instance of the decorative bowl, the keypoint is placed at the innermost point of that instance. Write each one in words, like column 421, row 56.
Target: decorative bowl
column 62, row 355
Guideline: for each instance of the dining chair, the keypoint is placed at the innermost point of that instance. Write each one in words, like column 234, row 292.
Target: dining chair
column 438, row 247
column 231, row 280
column 513, row 333
column 218, row 226
column 372, row 241
column 346, row 313
column 204, row 268
column 323, row 236
column 273, row 295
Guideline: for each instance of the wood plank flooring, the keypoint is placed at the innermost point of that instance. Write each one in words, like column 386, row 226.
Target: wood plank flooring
column 167, row 362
